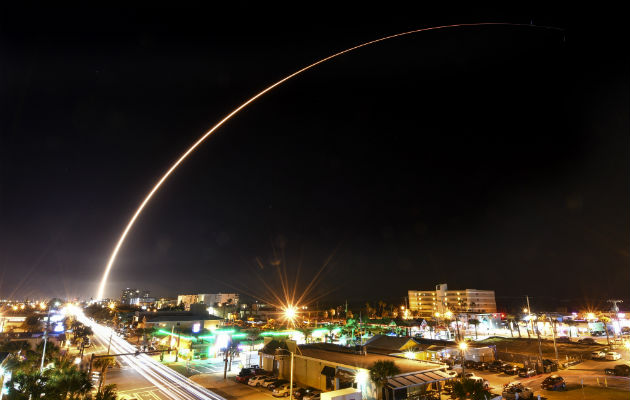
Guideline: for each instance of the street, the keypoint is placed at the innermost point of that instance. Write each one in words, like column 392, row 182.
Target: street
column 158, row 381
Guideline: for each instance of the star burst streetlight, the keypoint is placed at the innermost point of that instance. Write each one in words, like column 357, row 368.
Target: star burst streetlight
column 290, row 313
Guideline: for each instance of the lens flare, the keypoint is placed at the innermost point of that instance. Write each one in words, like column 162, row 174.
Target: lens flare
column 156, row 187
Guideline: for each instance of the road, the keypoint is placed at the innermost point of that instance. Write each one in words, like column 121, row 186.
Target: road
column 158, row 381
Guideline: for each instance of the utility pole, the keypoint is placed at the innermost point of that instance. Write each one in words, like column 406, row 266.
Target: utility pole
column 41, row 367
column 291, row 381
column 110, row 342
column 615, row 309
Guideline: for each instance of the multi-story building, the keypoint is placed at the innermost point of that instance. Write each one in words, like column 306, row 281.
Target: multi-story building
column 209, row 299
column 136, row 297
column 441, row 300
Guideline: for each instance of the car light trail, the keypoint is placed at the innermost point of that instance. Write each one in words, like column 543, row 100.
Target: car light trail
column 171, row 383
column 192, row 148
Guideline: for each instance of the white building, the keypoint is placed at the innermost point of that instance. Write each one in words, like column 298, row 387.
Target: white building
column 441, row 300
column 209, row 299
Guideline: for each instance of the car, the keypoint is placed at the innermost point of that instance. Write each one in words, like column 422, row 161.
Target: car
column 526, row 372
column 587, row 340
column 618, row 370
column 243, row 378
column 313, row 395
column 469, row 375
column 258, row 380
column 479, row 379
column 598, row 355
column 451, row 373
column 480, row 366
column 496, row 366
column 510, row 369
column 299, row 393
column 563, row 339
column 511, row 389
column 268, row 381
column 612, row 356
column 276, row 383
column 598, row 333
column 284, row 390
column 554, row 382
column 469, row 364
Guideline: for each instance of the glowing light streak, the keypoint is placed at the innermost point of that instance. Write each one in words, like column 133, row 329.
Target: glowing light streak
column 171, row 383
column 192, row 148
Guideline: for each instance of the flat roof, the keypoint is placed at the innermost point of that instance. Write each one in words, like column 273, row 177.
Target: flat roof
column 366, row 361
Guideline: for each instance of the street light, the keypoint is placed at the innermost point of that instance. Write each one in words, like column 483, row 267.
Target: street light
column 462, row 350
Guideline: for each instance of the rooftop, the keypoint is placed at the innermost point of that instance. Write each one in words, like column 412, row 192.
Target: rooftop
column 328, row 353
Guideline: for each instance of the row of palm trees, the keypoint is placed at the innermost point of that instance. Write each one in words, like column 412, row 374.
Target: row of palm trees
column 60, row 380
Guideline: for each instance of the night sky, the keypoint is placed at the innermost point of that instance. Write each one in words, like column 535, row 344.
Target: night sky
column 489, row 158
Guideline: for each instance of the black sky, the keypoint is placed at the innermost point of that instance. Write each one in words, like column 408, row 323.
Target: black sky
column 494, row 158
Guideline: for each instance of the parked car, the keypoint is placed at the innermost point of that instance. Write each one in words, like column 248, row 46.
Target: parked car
column 469, row 364
column 480, row 366
column 612, row 356
column 554, row 382
column 497, row 366
column 313, row 395
column 511, row 389
column 263, row 381
column 268, row 381
column 276, row 383
column 587, row 340
column 469, row 375
column 618, row 370
column 284, row 390
column 598, row 333
column 301, row 392
column 511, row 369
column 479, row 379
column 563, row 339
column 598, row 355
column 526, row 372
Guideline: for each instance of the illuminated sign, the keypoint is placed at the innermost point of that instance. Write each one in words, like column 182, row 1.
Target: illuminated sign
column 196, row 327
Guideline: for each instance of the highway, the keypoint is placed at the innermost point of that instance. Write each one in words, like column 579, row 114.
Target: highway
column 169, row 384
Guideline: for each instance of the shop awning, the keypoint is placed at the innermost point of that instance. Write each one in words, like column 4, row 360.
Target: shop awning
column 421, row 378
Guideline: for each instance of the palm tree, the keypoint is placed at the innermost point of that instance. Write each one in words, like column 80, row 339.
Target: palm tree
column 27, row 385
column 108, row 393
column 32, row 324
column 605, row 320
column 474, row 322
column 71, row 384
column 306, row 331
column 517, row 319
column 380, row 371
column 102, row 364
column 469, row 389
column 510, row 318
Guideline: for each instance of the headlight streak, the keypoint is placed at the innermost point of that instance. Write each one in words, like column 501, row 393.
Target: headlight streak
column 171, row 383
column 192, row 148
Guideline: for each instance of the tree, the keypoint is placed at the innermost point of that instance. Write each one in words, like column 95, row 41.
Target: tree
column 32, row 324
column 470, row 389
column 605, row 320
column 510, row 319
column 70, row 384
column 108, row 393
column 474, row 322
column 306, row 331
column 380, row 371
column 25, row 386
column 102, row 364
